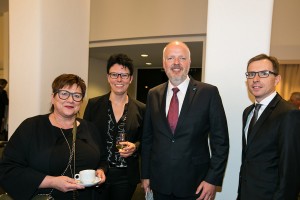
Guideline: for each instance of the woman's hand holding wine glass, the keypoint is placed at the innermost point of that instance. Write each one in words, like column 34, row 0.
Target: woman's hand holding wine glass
column 121, row 141
column 125, row 148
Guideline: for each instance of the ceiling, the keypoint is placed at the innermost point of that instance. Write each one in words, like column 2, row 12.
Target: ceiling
column 153, row 50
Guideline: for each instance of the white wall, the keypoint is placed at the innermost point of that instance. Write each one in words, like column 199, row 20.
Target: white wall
column 134, row 18
column 235, row 34
column 51, row 39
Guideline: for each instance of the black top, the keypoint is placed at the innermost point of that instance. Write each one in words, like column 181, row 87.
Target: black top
column 37, row 149
column 97, row 112
column 114, row 128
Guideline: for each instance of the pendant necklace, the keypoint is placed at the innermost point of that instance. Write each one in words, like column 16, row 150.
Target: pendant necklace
column 72, row 152
column 72, row 155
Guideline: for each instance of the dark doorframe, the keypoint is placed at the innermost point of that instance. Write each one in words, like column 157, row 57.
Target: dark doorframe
column 149, row 78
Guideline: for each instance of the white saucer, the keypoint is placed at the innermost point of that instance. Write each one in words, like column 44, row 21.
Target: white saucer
column 97, row 180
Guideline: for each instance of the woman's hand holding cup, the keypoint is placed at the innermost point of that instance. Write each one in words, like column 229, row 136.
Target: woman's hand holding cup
column 86, row 176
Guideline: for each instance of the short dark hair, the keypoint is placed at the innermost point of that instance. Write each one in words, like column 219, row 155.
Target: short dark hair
column 272, row 59
column 67, row 80
column 121, row 59
column 3, row 82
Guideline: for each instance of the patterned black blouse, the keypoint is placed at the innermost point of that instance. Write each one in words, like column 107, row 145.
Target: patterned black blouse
column 114, row 128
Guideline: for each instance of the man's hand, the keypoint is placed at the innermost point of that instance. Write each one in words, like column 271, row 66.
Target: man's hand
column 208, row 191
column 146, row 185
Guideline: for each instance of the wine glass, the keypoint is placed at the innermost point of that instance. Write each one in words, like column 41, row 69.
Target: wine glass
column 120, row 138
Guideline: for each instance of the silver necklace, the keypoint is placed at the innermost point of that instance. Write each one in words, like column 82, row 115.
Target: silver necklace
column 72, row 155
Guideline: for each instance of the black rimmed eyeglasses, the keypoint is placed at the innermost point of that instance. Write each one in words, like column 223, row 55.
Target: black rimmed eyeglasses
column 64, row 94
column 261, row 74
column 114, row 75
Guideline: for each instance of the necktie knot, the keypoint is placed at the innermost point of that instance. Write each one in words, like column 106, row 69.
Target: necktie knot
column 175, row 90
column 257, row 107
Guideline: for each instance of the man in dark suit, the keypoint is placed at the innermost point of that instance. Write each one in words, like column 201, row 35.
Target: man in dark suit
column 270, row 167
column 176, row 159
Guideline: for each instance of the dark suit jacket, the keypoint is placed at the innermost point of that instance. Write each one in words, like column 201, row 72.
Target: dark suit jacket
column 96, row 112
column 270, row 161
column 178, row 163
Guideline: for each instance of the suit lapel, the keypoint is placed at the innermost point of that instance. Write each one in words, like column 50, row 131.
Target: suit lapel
column 130, row 113
column 264, row 116
column 245, row 117
column 188, row 99
column 162, row 96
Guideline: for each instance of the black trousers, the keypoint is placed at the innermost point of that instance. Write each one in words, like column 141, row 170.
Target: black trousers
column 160, row 196
column 117, row 186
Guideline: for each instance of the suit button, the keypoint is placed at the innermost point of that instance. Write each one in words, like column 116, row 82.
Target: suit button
column 173, row 141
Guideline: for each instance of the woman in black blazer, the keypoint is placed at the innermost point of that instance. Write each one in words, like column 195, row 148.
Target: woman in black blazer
column 116, row 113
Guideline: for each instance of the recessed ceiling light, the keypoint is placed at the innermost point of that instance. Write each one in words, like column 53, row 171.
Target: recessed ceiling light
column 144, row 55
column 148, row 63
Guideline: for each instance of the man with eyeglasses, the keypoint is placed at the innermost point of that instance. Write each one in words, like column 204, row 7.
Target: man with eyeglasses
column 270, row 168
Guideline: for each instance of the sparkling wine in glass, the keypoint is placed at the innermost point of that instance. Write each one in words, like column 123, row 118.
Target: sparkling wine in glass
column 120, row 138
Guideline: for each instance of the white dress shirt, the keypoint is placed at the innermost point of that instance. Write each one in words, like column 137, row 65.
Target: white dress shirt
column 264, row 103
column 181, row 94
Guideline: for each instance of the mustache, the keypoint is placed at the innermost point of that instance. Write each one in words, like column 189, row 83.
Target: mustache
column 176, row 66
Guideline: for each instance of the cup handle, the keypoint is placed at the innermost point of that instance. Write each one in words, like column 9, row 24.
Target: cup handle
column 77, row 177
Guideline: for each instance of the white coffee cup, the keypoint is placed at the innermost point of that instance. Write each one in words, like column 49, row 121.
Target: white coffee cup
column 86, row 176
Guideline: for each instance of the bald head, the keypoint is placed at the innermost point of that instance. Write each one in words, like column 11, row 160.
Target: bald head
column 177, row 43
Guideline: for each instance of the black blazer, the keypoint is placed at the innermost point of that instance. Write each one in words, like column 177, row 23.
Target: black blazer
column 270, row 167
column 33, row 152
column 176, row 164
column 96, row 112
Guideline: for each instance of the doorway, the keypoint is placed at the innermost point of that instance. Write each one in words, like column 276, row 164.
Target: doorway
column 149, row 78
